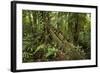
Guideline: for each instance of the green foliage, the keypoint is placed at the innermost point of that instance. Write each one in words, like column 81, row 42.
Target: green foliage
column 51, row 51
column 51, row 36
column 75, row 54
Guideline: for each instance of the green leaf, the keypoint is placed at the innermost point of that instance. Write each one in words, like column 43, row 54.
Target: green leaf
column 39, row 47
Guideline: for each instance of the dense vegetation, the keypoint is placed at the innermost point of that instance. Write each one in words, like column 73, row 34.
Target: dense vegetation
column 55, row 36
